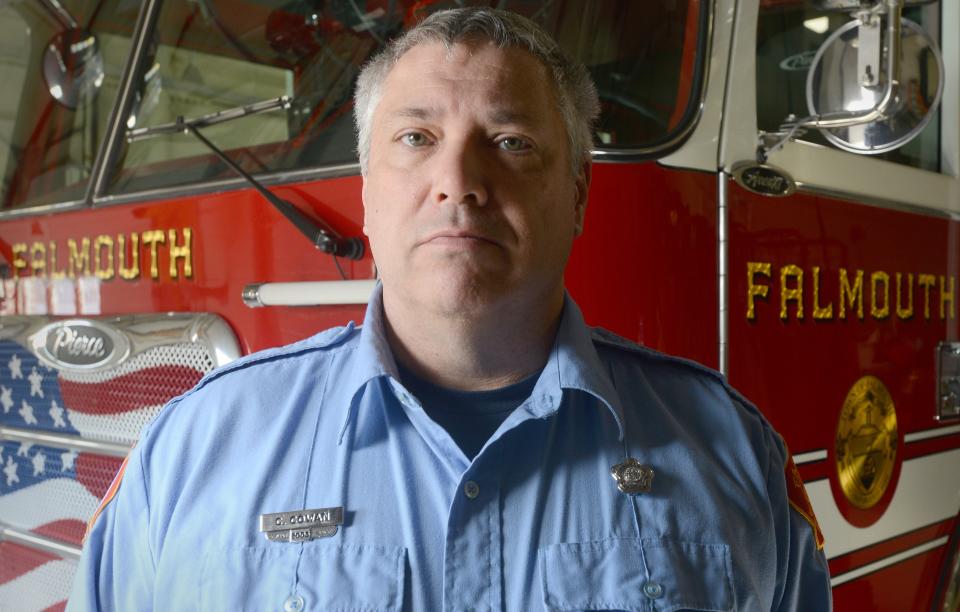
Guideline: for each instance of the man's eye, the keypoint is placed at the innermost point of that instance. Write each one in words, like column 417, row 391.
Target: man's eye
column 414, row 139
column 512, row 143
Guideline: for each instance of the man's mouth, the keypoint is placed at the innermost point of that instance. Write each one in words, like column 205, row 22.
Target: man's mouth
column 456, row 237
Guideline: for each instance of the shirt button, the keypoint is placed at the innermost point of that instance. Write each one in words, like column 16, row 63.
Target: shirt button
column 653, row 590
column 294, row 603
column 471, row 489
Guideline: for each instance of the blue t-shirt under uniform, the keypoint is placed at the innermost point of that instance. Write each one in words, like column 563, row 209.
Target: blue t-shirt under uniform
column 470, row 417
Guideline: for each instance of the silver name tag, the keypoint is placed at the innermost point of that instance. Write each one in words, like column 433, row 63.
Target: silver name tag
column 301, row 525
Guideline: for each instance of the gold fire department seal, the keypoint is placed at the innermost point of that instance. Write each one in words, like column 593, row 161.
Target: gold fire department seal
column 866, row 442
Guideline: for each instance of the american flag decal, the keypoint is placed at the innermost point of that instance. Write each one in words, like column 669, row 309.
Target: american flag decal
column 53, row 492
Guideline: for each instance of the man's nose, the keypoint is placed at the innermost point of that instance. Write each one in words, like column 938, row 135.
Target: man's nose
column 460, row 174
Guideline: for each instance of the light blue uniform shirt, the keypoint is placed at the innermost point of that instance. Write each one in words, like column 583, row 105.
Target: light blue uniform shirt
column 534, row 522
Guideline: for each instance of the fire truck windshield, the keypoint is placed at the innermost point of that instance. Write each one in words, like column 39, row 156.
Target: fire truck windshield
column 206, row 56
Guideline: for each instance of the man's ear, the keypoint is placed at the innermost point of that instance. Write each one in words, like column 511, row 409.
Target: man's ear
column 582, row 184
column 363, row 200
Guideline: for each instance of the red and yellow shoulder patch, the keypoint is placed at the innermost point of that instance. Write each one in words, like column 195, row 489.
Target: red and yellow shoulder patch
column 797, row 495
column 108, row 496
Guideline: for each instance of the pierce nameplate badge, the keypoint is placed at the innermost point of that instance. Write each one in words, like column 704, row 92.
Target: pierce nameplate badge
column 301, row 525
column 764, row 179
column 79, row 344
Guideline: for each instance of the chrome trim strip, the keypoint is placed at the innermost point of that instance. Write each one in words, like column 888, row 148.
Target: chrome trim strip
column 67, row 551
column 950, row 105
column 897, row 205
column 926, row 434
column 810, row 457
column 218, row 337
column 65, row 442
column 315, row 293
column 723, row 281
column 888, row 561
column 113, row 142
column 42, row 209
column 228, row 184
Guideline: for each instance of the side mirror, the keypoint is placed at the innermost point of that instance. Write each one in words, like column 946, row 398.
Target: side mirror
column 850, row 73
column 873, row 85
column 73, row 67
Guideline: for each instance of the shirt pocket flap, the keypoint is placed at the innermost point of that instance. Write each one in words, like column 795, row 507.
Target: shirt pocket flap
column 334, row 578
column 350, row 577
column 609, row 575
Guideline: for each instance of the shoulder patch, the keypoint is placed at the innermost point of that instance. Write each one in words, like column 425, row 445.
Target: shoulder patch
column 108, row 496
column 799, row 501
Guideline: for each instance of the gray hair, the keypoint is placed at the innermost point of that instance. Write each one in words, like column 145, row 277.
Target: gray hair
column 576, row 94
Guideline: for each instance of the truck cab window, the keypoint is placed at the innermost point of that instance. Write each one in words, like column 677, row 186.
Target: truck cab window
column 60, row 65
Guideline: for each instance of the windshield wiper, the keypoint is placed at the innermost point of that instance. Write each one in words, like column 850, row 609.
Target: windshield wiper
column 320, row 234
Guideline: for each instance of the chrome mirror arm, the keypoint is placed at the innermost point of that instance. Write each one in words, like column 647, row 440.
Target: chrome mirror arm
column 771, row 142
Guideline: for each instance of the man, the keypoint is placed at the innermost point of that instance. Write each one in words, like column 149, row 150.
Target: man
column 456, row 452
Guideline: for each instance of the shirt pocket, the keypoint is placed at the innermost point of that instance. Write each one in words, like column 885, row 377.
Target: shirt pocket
column 334, row 578
column 609, row 575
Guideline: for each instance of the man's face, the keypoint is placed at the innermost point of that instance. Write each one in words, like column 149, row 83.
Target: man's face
column 469, row 198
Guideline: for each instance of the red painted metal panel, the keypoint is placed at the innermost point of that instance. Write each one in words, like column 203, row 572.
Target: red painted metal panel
column 645, row 266
column 907, row 585
column 238, row 238
column 800, row 370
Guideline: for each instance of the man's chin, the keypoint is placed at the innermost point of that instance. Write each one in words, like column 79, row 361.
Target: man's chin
column 458, row 297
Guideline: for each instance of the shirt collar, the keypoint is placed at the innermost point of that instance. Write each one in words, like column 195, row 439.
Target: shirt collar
column 373, row 357
column 573, row 363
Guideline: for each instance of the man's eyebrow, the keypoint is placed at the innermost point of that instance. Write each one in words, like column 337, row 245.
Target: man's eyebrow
column 499, row 116
column 503, row 116
column 415, row 112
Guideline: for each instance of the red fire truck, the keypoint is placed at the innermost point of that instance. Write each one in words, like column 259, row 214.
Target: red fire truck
column 775, row 194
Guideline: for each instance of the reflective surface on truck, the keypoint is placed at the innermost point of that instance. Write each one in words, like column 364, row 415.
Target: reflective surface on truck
column 838, row 310
column 75, row 394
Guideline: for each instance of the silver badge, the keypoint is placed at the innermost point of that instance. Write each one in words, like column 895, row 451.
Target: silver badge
column 632, row 476
column 301, row 525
